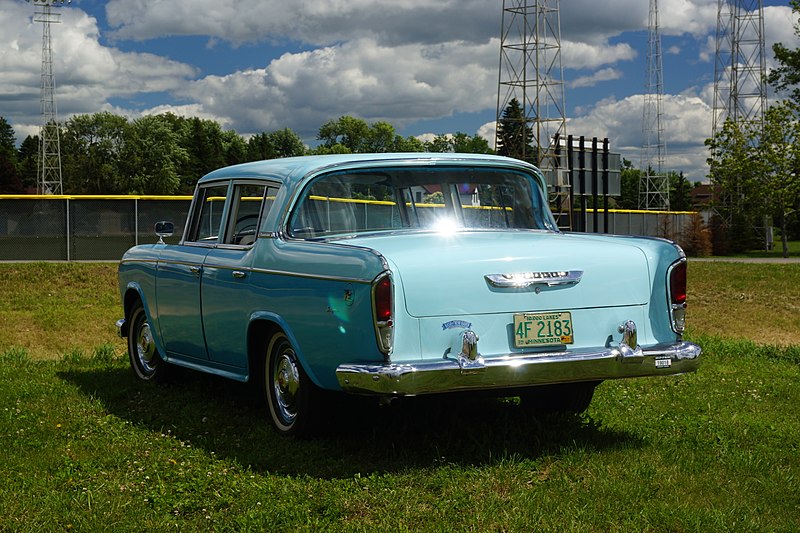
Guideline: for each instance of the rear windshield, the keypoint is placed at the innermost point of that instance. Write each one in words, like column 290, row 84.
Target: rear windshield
column 353, row 202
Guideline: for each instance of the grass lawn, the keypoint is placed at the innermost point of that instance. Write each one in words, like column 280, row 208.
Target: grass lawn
column 777, row 250
column 87, row 448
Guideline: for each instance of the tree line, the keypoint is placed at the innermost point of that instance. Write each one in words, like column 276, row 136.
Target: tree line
column 104, row 153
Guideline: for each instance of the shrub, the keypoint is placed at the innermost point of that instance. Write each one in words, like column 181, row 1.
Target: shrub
column 696, row 237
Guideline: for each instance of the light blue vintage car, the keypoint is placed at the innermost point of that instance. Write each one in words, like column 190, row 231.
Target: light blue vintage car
column 399, row 274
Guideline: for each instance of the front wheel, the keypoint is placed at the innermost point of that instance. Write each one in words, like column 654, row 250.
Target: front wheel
column 288, row 391
column 146, row 361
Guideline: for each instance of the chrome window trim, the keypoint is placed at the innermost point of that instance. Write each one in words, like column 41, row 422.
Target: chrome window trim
column 533, row 173
column 309, row 276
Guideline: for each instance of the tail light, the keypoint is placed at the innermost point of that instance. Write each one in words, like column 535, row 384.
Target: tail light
column 677, row 296
column 383, row 309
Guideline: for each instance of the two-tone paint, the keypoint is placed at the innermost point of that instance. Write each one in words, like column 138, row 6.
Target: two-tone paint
column 206, row 303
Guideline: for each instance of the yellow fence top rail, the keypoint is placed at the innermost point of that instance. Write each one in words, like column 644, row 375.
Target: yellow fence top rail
column 324, row 198
column 90, row 197
column 643, row 212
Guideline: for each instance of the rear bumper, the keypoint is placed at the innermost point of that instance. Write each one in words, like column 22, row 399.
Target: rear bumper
column 513, row 371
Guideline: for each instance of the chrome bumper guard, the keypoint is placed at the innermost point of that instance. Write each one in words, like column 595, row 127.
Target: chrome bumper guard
column 518, row 370
column 122, row 328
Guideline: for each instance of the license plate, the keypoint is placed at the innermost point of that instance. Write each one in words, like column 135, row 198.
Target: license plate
column 543, row 329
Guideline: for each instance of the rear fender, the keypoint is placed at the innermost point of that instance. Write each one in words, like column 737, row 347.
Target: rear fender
column 259, row 317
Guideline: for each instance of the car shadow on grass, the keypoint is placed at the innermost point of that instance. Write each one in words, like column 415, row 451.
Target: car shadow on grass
column 356, row 436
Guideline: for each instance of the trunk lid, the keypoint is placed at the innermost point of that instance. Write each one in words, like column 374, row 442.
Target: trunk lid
column 444, row 274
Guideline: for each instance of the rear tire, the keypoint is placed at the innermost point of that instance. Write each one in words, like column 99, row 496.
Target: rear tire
column 562, row 398
column 145, row 358
column 290, row 395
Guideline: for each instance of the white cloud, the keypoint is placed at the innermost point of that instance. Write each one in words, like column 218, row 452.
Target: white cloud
column 87, row 73
column 319, row 22
column 585, row 55
column 606, row 74
column 685, row 121
column 360, row 78
column 489, row 132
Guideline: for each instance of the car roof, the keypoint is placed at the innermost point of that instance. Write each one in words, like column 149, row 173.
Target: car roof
column 291, row 170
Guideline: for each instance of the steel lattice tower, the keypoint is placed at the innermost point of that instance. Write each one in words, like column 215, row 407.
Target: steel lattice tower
column 531, row 73
column 654, row 184
column 740, row 68
column 48, row 174
column 740, row 87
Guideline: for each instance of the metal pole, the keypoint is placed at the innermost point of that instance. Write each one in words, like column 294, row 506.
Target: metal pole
column 605, row 185
column 136, row 221
column 582, row 177
column 595, row 203
column 68, row 231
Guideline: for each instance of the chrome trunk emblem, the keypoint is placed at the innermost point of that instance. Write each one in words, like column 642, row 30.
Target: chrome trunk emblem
column 526, row 279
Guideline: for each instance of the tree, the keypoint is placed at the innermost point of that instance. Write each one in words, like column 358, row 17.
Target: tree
column 281, row 143
column 408, row 144
column 354, row 135
column 779, row 165
column 458, row 143
column 735, row 171
column 203, row 141
column 680, row 192
column 8, row 147
column 787, row 75
column 152, row 157
column 287, row 143
column 28, row 161
column 234, row 148
column 91, row 148
column 346, row 131
column 9, row 178
column 629, row 186
column 514, row 136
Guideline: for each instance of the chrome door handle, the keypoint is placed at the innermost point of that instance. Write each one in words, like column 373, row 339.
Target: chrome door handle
column 195, row 270
column 238, row 274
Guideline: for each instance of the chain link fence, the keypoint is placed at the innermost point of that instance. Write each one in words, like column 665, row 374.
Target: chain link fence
column 83, row 228
column 98, row 228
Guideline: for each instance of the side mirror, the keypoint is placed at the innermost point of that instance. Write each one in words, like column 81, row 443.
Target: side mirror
column 165, row 228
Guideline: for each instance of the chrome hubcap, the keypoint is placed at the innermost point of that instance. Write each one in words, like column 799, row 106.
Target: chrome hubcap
column 146, row 348
column 286, row 384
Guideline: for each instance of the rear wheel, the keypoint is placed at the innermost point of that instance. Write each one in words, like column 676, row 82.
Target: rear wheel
column 289, row 393
column 565, row 398
column 146, row 361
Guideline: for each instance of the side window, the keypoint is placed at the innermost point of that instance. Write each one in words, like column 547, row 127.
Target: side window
column 246, row 207
column 209, row 208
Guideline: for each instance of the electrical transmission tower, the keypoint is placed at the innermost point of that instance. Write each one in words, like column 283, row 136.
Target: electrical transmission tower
column 740, row 71
column 654, row 184
column 531, row 84
column 48, row 174
column 740, row 68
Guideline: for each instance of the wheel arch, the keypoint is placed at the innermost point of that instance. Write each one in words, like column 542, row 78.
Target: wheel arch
column 263, row 326
column 133, row 294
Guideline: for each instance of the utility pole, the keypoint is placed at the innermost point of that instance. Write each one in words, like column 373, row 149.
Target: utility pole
column 531, row 76
column 654, row 183
column 48, row 174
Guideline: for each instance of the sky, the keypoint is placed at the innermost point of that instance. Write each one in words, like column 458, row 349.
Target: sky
column 426, row 66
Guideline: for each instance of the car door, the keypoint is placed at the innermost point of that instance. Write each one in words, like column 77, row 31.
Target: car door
column 226, row 291
column 179, row 275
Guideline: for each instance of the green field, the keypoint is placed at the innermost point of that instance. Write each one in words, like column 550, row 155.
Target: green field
column 87, row 448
